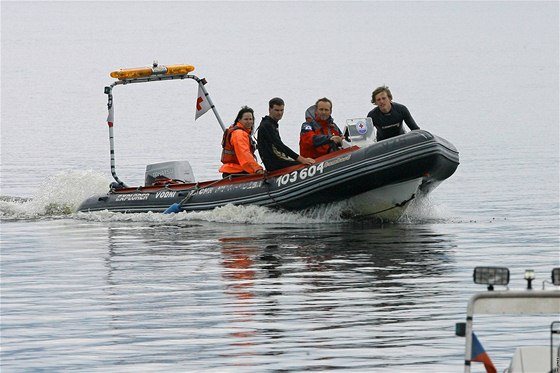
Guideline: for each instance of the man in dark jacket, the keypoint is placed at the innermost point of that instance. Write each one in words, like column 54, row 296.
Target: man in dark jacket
column 274, row 153
column 388, row 116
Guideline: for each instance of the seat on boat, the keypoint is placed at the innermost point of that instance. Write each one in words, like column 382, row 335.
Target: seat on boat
column 533, row 359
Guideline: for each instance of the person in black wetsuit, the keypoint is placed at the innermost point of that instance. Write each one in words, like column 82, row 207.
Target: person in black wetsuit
column 274, row 154
column 388, row 116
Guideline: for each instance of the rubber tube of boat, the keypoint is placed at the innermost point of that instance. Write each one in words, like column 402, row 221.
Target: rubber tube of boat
column 173, row 209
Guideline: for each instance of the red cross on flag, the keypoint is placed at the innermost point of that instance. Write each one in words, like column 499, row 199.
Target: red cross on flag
column 202, row 104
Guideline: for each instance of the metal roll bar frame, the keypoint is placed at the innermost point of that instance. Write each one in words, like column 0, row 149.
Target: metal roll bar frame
column 110, row 118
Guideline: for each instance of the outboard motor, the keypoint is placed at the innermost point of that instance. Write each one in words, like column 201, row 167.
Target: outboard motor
column 180, row 171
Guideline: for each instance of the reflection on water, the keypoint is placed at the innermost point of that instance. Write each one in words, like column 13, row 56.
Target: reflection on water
column 170, row 296
column 199, row 295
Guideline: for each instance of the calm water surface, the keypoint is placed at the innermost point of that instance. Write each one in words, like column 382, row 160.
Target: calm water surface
column 250, row 289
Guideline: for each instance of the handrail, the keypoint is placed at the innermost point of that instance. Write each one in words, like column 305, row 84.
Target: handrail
column 508, row 302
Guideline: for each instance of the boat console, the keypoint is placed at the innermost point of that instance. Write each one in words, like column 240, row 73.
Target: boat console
column 360, row 132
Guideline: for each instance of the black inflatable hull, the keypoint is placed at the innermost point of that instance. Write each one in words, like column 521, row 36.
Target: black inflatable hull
column 415, row 162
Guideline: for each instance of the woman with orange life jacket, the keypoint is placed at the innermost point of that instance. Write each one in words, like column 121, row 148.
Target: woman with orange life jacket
column 238, row 150
column 319, row 134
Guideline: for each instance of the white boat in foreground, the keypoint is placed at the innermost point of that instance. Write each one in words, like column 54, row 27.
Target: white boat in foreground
column 544, row 301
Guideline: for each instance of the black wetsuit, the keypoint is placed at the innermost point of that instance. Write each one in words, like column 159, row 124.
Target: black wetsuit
column 274, row 154
column 391, row 124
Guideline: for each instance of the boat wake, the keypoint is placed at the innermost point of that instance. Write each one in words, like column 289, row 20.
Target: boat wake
column 60, row 195
column 229, row 214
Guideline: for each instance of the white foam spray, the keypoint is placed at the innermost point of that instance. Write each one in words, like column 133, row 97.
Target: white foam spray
column 59, row 195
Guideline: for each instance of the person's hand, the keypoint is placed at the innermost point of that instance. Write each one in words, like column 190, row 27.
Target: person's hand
column 260, row 171
column 337, row 140
column 306, row 161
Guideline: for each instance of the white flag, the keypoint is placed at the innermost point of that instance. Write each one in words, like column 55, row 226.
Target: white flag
column 202, row 104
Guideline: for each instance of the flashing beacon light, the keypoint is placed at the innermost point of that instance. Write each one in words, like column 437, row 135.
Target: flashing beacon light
column 179, row 69
column 143, row 72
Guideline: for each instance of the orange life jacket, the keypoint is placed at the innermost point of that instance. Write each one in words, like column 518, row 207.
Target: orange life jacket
column 228, row 152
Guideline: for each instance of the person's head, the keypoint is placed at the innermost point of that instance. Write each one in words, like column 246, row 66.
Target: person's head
column 276, row 108
column 382, row 97
column 323, row 108
column 246, row 117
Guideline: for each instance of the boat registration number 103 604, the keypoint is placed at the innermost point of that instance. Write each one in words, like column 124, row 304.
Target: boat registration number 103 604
column 302, row 174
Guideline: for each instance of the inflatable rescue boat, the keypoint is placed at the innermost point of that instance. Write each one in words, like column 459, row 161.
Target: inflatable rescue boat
column 369, row 178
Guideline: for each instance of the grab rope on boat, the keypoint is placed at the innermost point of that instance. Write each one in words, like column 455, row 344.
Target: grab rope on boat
column 267, row 184
column 178, row 207
column 403, row 203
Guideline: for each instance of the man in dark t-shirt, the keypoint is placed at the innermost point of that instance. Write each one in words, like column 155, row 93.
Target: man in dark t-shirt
column 388, row 116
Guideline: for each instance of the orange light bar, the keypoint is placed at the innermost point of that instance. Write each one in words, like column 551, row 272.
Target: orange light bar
column 139, row 72
column 142, row 72
column 179, row 69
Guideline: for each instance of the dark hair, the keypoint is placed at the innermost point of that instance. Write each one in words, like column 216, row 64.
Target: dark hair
column 275, row 101
column 244, row 109
column 324, row 99
column 378, row 90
